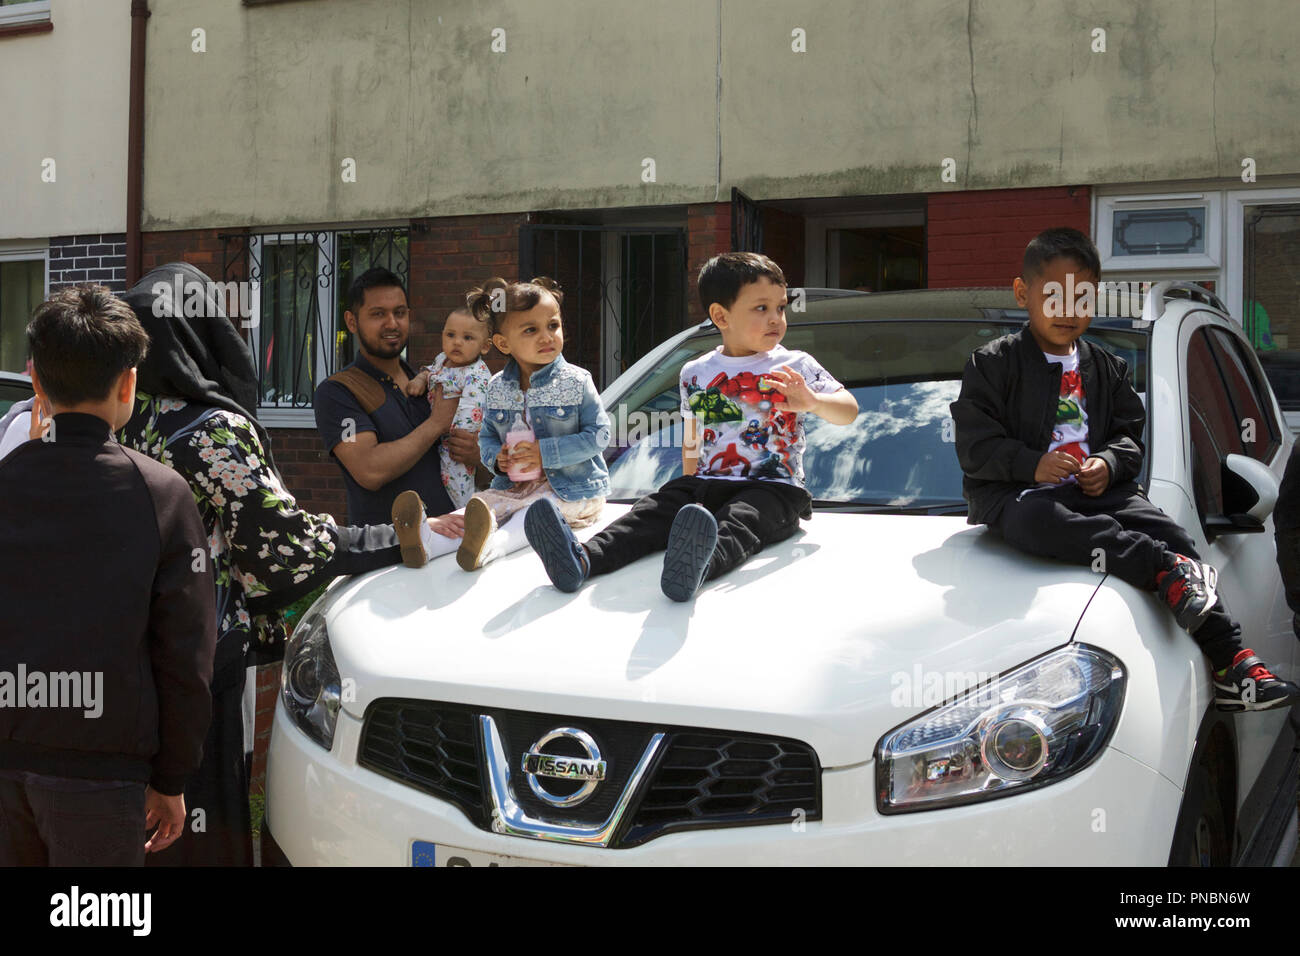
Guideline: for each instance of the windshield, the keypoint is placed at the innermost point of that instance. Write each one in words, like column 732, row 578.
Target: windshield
column 897, row 455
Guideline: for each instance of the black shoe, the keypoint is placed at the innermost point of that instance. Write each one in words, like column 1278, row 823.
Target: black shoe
column 1249, row 685
column 1189, row 589
column 691, row 541
column 563, row 557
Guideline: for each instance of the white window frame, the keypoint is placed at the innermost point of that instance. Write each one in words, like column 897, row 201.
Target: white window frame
column 27, row 252
column 20, row 14
column 286, row 416
column 1103, row 221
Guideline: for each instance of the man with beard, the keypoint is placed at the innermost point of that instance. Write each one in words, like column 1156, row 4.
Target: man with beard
column 384, row 440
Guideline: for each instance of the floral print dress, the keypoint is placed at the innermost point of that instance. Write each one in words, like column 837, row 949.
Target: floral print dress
column 259, row 541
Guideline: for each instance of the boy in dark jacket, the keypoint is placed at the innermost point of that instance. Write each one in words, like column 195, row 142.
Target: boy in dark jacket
column 1049, row 436
column 107, row 633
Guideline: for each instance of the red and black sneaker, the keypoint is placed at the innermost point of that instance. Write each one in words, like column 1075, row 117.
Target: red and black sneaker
column 1189, row 588
column 1249, row 685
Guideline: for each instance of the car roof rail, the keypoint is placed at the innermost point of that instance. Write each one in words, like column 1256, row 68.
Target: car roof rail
column 1160, row 294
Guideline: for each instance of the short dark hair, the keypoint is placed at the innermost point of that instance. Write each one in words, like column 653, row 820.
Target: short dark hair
column 1057, row 243
column 376, row 278
column 723, row 276
column 81, row 339
column 514, row 297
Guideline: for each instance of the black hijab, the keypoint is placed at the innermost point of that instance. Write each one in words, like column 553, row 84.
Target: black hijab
column 200, row 358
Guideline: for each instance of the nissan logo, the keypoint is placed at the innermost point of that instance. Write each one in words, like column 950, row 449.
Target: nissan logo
column 588, row 769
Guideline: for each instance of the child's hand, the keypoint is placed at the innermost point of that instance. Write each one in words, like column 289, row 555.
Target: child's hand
column 526, row 456
column 503, row 459
column 418, row 385
column 1094, row 476
column 449, row 526
column 1055, row 465
column 798, row 396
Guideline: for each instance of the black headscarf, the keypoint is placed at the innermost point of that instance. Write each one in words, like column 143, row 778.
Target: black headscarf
column 200, row 358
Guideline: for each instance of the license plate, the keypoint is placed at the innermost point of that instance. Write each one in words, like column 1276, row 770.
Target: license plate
column 424, row 853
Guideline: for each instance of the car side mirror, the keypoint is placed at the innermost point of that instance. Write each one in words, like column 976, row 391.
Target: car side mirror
column 1250, row 491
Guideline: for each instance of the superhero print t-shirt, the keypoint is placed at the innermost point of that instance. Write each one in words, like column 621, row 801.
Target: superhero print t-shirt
column 1070, row 430
column 741, row 434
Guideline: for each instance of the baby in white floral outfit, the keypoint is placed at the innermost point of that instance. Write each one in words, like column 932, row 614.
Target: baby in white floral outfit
column 461, row 371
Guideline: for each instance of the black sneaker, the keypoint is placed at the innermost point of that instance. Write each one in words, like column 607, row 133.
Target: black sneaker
column 1249, row 685
column 691, row 541
column 413, row 532
column 563, row 557
column 1189, row 589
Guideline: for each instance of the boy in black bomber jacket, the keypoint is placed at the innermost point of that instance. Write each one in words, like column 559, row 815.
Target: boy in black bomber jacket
column 1049, row 437
column 107, row 634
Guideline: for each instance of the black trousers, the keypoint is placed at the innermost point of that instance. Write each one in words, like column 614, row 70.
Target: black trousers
column 220, row 833
column 55, row 821
column 1136, row 538
column 751, row 514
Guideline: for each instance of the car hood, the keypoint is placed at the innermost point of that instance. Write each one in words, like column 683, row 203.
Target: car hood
column 833, row 637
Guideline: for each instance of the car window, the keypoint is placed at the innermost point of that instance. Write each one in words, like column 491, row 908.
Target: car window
column 12, row 392
column 1208, row 397
column 899, row 451
column 1261, row 437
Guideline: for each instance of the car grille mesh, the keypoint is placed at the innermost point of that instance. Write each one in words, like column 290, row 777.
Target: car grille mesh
column 700, row 779
column 432, row 749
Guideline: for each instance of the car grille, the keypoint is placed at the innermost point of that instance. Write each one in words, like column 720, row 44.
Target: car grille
column 434, row 749
column 701, row 778
column 709, row 779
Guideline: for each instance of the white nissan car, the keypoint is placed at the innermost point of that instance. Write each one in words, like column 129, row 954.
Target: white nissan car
column 889, row 686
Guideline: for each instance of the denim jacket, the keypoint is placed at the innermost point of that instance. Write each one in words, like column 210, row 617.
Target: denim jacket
column 568, row 419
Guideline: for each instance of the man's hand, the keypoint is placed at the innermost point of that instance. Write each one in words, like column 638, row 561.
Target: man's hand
column 39, row 422
column 462, row 445
column 1094, row 477
column 449, row 526
column 442, row 411
column 1056, row 465
column 168, row 813
column 525, row 455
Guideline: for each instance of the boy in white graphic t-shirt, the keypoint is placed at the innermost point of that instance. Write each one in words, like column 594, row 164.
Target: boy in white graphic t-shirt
column 741, row 488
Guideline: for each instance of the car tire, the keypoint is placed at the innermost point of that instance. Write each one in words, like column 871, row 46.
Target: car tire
column 1202, row 838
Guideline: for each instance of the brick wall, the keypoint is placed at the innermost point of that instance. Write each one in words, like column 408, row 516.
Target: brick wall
column 978, row 238
column 708, row 232
column 201, row 248
column 450, row 256
column 99, row 258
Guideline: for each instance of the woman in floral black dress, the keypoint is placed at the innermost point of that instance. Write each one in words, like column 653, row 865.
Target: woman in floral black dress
column 193, row 392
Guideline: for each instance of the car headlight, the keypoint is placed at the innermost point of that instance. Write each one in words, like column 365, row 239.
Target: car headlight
column 309, row 681
column 1033, row 725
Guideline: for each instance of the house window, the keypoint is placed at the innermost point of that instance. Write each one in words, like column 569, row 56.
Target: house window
column 297, row 293
column 624, row 288
column 21, row 13
column 22, row 288
column 1158, row 233
column 1270, row 294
